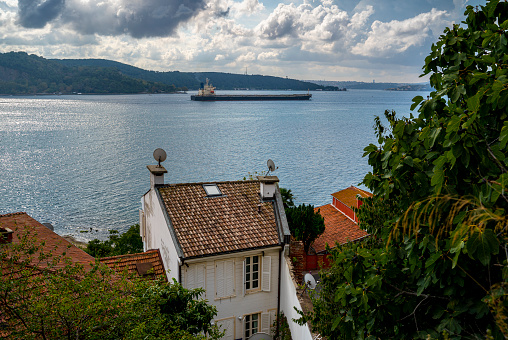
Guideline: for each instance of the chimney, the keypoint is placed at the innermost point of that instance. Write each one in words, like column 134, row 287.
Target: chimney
column 156, row 175
column 5, row 235
column 267, row 186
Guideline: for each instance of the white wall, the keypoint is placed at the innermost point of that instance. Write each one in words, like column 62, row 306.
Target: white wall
column 157, row 234
column 230, row 309
column 288, row 300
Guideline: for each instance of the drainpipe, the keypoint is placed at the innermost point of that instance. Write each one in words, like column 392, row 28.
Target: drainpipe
column 281, row 252
column 180, row 270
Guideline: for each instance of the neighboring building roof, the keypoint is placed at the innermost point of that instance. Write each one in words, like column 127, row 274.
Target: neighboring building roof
column 52, row 241
column 148, row 264
column 338, row 228
column 348, row 195
column 207, row 225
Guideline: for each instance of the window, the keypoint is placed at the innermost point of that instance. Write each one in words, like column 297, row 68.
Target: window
column 195, row 276
column 251, row 325
column 256, row 273
column 212, row 190
column 251, row 272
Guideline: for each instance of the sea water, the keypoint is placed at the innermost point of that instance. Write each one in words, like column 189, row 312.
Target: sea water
column 79, row 162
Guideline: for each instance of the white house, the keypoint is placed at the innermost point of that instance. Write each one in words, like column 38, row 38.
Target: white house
column 225, row 237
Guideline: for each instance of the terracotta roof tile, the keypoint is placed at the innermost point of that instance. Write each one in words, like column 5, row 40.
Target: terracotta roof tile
column 348, row 195
column 53, row 242
column 338, row 228
column 210, row 225
column 137, row 264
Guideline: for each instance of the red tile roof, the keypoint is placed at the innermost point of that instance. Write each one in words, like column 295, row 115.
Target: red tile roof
column 148, row 264
column 20, row 222
column 348, row 195
column 338, row 228
column 211, row 225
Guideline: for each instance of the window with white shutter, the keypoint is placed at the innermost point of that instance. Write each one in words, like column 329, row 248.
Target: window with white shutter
column 266, row 271
column 195, row 276
column 265, row 323
column 227, row 325
column 224, row 279
column 251, row 324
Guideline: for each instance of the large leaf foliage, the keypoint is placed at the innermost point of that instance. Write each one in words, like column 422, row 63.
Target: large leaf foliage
column 436, row 265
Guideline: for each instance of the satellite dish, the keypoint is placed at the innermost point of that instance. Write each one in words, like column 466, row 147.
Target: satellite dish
column 261, row 336
column 271, row 166
column 310, row 281
column 159, row 155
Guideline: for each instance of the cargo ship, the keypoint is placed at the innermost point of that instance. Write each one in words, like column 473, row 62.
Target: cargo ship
column 207, row 93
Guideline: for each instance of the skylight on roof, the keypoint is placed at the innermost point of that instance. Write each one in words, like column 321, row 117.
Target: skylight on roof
column 212, row 190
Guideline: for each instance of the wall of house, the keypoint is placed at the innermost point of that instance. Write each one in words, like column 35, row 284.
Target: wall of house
column 289, row 299
column 232, row 309
column 344, row 209
column 157, row 235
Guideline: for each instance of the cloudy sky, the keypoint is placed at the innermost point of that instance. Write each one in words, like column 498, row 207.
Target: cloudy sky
column 362, row 40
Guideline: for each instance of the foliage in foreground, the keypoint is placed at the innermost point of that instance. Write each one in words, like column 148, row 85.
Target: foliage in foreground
column 129, row 242
column 436, row 266
column 66, row 300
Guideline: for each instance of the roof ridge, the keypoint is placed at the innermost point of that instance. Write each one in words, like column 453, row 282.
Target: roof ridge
column 127, row 255
column 208, row 182
column 14, row 213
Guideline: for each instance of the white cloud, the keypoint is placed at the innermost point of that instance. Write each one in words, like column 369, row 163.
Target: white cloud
column 385, row 39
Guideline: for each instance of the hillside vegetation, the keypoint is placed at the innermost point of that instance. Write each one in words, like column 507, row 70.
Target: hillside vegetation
column 21, row 73
column 192, row 80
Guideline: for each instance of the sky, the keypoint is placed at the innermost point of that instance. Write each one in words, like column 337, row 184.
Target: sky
column 335, row 40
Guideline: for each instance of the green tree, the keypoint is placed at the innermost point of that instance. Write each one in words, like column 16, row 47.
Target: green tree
column 129, row 242
column 437, row 264
column 304, row 224
column 287, row 197
column 43, row 296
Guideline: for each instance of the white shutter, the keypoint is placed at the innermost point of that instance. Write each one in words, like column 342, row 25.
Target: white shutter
column 227, row 325
column 266, row 271
column 191, row 282
column 265, row 323
column 200, row 277
column 219, row 279
column 243, row 278
column 273, row 316
column 229, row 277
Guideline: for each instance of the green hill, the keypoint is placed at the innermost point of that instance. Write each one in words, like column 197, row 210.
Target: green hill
column 21, row 73
column 192, row 80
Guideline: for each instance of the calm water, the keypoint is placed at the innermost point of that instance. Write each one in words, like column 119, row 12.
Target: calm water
column 79, row 162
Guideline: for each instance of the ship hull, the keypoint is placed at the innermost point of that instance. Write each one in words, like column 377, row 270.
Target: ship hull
column 213, row 98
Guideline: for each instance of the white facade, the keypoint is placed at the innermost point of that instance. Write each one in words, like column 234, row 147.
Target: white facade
column 223, row 278
column 156, row 234
column 243, row 285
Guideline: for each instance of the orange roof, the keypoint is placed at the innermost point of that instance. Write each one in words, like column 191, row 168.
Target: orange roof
column 338, row 228
column 348, row 196
column 212, row 225
column 148, row 264
column 53, row 242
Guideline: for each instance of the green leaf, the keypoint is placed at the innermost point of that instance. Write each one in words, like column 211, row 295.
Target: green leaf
column 416, row 101
column 482, row 244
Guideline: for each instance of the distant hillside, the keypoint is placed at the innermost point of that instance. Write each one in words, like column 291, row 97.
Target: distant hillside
column 21, row 73
column 350, row 85
column 192, row 80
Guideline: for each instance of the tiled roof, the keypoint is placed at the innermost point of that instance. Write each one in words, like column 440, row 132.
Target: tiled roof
column 338, row 228
column 148, row 264
column 348, row 196
column 52, row 241
column 211, row 225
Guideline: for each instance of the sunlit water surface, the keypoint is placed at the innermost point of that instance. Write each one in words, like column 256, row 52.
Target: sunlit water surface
column 79, row 162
